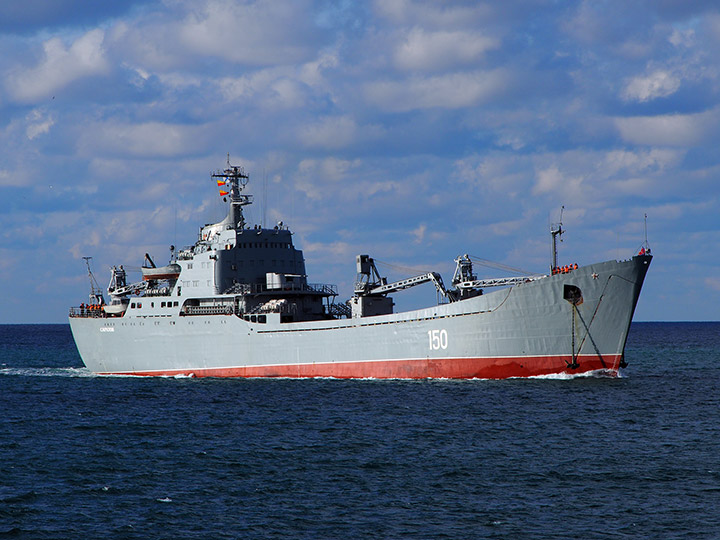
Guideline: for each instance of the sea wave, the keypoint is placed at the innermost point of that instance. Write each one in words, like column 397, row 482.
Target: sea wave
column 52, row 372
column 564, row 376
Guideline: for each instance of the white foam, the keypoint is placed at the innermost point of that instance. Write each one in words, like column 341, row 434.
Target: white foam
column 564, row 376
column 47, row 372
column 54, row 372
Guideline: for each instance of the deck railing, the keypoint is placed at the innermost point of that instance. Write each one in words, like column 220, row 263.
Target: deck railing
column 88, row 312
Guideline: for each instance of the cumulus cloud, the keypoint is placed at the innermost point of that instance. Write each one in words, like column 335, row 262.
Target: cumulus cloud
column 658, row 84
column 428, row 51
column 331, row 132
column 148, row 139
column 271, row 88
column 553, row 180
column 412, row 112
column 38, row 123
column 713, row 283
column 452, row 91
column 647, row 161
column 59, row 67
column 679, row 130
column 254, row 33
column 329, row 169
column 419, row 233
column 432, row 14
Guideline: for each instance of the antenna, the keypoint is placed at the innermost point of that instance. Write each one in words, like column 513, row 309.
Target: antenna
column 265, row 202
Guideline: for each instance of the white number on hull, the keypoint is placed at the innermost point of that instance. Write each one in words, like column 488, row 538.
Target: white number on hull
column 437, row 339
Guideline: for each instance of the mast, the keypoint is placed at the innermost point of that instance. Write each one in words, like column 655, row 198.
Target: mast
column 236, row 179
column 96, row 296
column 556, row 231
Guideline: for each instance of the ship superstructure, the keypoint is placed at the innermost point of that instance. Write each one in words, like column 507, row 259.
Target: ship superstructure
column 238, row 303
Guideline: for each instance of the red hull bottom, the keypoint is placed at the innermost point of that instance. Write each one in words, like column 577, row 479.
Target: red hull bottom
column 435, row 368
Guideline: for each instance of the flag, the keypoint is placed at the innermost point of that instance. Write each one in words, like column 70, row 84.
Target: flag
column 223, row 193
column 222, row 182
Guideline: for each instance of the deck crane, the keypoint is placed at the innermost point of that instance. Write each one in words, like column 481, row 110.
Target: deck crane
column 371, row 289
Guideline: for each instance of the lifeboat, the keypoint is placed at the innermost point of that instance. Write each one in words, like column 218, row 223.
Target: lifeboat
column 171, row 271
column 117, row 306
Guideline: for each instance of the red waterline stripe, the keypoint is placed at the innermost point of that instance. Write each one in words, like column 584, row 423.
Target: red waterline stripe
column 439, row 368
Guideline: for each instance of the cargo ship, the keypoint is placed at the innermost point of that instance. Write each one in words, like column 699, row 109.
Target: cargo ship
column 237, row 303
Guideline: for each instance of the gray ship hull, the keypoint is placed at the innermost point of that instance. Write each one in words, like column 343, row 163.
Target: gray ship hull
column 528, row 329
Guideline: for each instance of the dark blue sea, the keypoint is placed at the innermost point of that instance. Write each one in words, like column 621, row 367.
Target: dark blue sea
column 83, row 456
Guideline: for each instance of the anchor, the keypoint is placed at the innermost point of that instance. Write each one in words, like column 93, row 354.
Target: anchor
column 573, row 295
column 623, row 364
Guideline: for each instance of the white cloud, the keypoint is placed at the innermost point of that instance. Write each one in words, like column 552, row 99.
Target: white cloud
column 626, row 161
column 332, row 169
column 273, row 89
column 680, row 130
column 453, row 91
column 419, row 233
column 431, row 13
column 149, row 139
column 38, row 123
column 684, row 38
column 59, row 67
column 332, row 132
column 424, row 51
column 252, row 33
column 713, row 283
column 658, row 84
column 317, row 178
column 551, row 180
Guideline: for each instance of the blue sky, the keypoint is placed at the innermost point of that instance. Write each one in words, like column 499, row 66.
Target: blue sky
column 414, row 131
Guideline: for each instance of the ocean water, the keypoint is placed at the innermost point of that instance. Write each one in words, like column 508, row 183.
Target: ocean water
column 584, row 457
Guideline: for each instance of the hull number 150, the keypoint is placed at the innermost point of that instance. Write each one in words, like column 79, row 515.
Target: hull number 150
column 437, row 339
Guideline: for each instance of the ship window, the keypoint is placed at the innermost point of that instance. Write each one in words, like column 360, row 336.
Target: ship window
column 196, row 283
column 152, row 304
column 139, row 304
column 189, row 266
column 253, row 318
column 175, row 304
column 262, row 318
column 162, row 304
column 132, row 305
